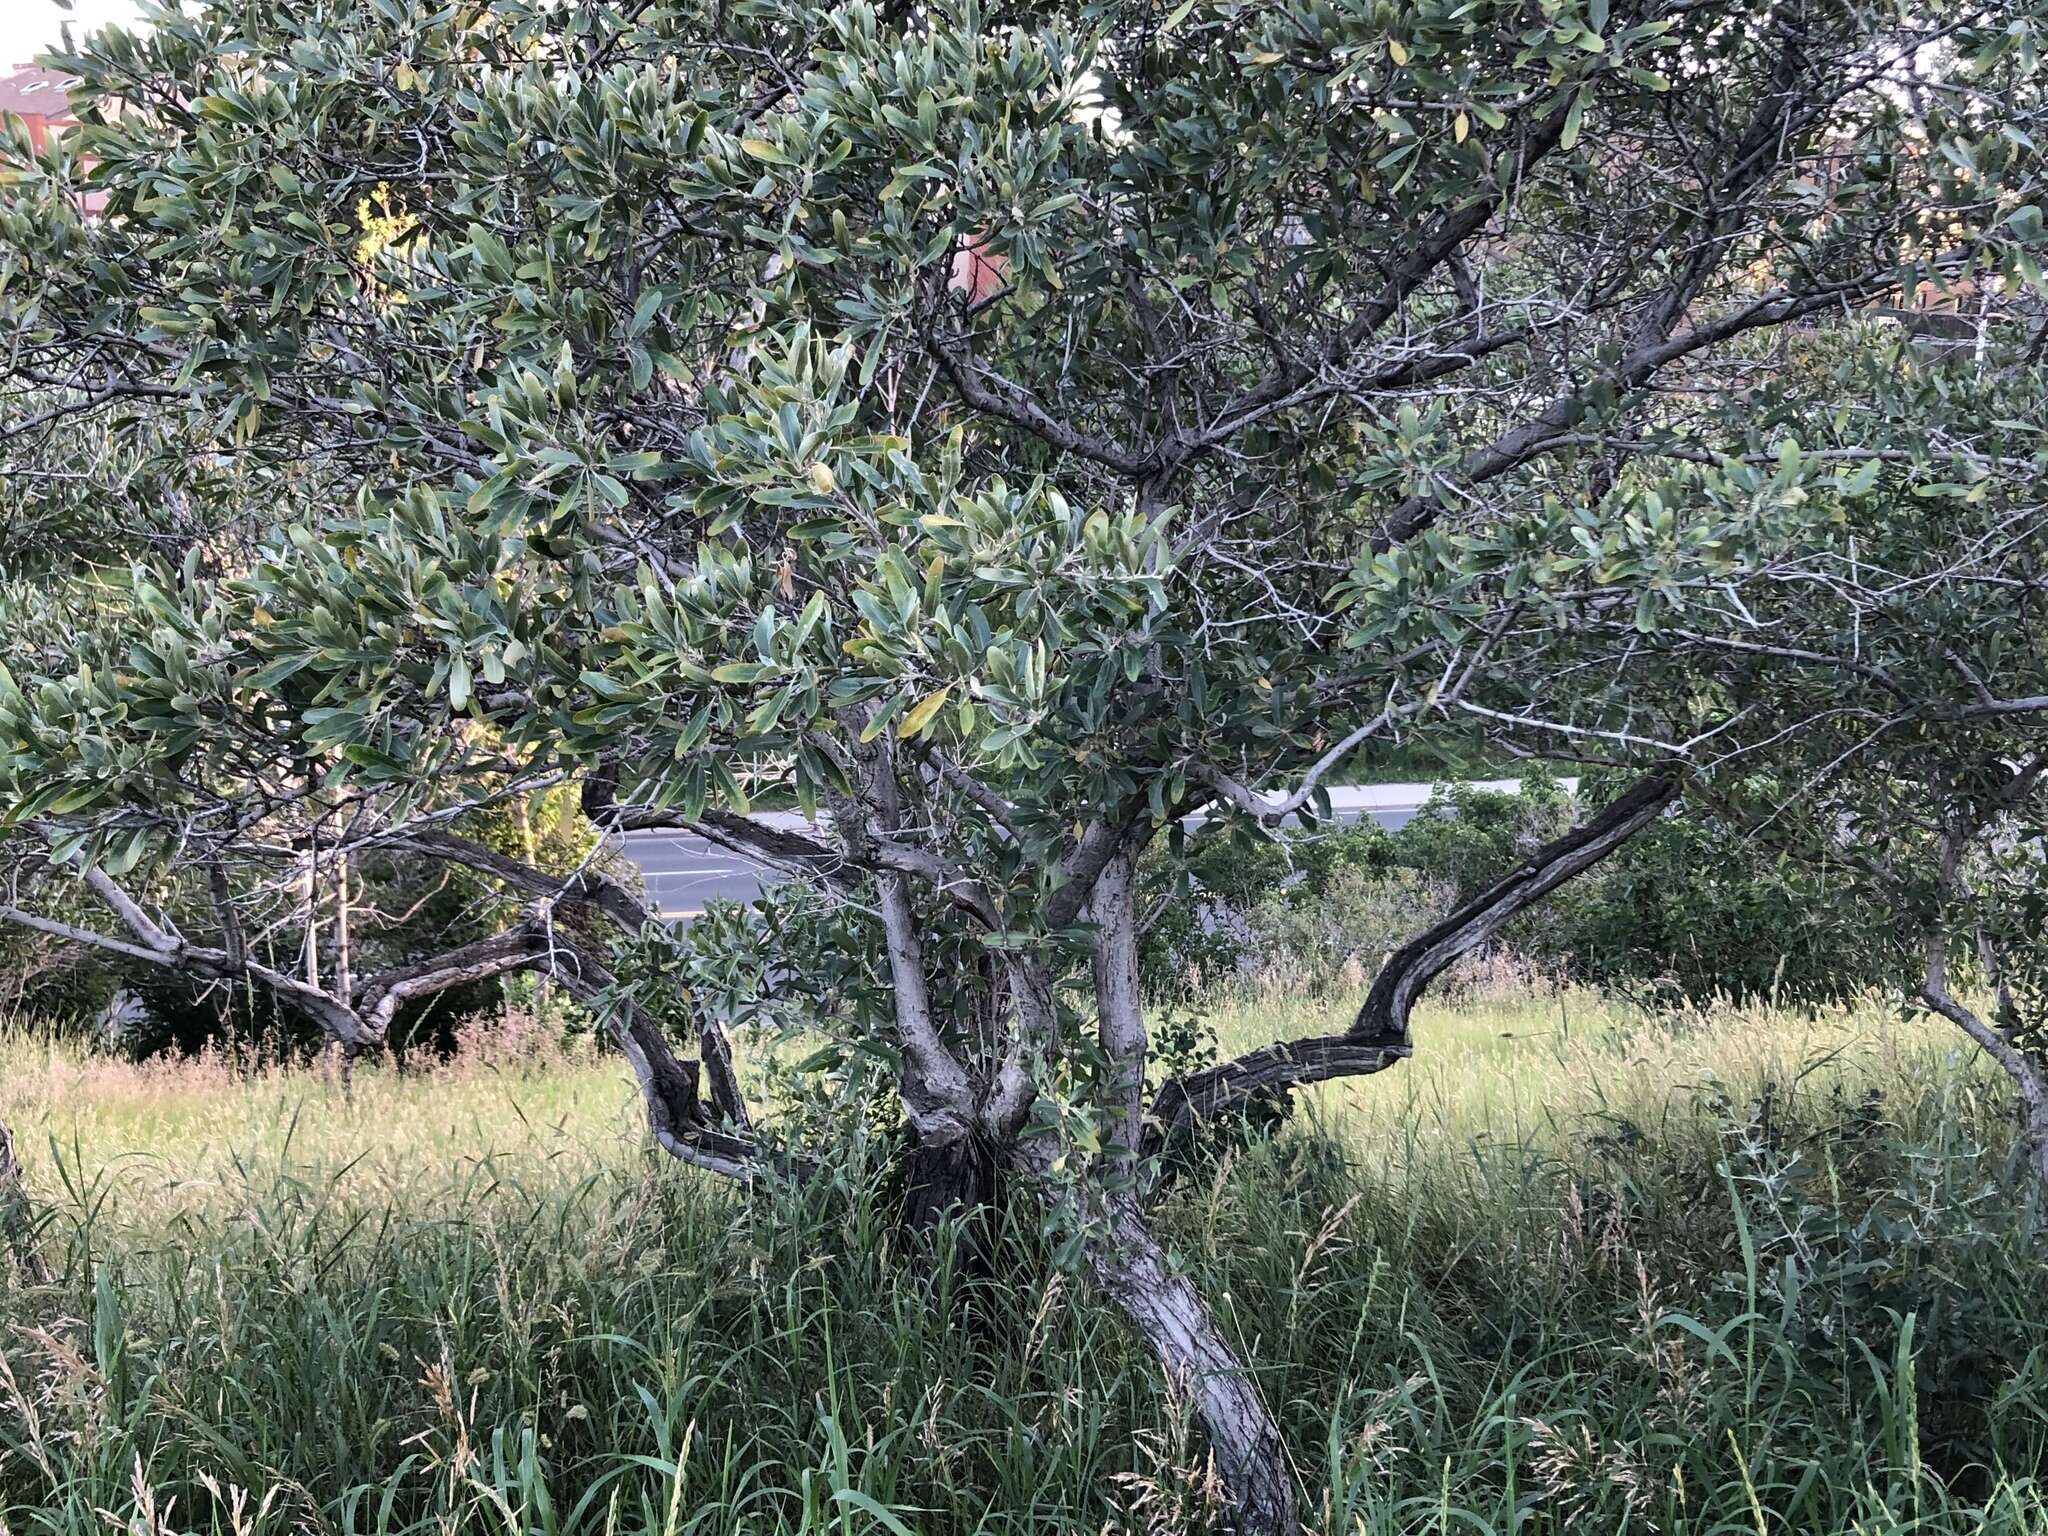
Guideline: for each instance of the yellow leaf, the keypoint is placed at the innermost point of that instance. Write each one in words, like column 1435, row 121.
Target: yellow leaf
column 1460, row 126
column 821, row 478
column 921, row 713
column 1398, row 53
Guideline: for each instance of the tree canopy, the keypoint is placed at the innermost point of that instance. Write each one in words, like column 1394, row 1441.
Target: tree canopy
column 932, row 450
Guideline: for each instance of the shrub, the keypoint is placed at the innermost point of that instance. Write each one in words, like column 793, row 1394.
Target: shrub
column 1688, row 911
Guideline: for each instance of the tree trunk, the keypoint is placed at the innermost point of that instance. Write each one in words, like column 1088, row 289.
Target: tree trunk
column 961, row 1183
column 2029, row 1073
column 1131, row 1267
column 2034, row 1094
column 14, row 1214
column 950, row 1176
column 2001, row 1040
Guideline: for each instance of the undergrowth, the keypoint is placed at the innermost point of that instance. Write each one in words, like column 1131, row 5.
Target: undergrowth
column 1636, row 1293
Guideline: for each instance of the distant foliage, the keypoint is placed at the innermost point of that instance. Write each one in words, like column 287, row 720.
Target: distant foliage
column 402, row 907
column 1689, row 910
column 1696, row 908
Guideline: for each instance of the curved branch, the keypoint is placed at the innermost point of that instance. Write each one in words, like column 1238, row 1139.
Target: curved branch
column 1183, row 1102
column 1423, row 958
column 667, row 1083
column 584, row 887
column 994, row 395
column 157, row 945
column 794, row 851
column 382, row 994
column 1378, row 1037
column 1272, row 810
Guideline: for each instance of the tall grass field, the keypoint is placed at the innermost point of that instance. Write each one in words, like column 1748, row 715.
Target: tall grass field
column 1572, row 1268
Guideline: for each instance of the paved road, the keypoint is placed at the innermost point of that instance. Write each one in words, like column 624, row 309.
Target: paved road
column 683, row 872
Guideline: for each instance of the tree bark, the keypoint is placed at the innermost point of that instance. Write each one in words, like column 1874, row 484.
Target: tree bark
column 1185, row 1102
column 1378, row 1037
column 965, row 1181
column 1423, row 958
column 1119, row 999
column 2009, row 1038
column 2029, row 1074
column 1128, row 1261
column 14, row 1214
column 1131, row 1267
column 2034, row 1094
column 2027, row 1069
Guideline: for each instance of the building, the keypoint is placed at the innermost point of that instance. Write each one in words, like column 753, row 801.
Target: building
column 40, row 98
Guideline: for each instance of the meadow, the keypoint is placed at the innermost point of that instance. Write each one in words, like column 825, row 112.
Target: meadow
column 1576, row 1266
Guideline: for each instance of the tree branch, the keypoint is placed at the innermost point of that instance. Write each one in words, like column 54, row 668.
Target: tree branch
column 1418, row 962
column 994, row 395
column 1378, row 1036
column 1552, row 426
column 584, row 886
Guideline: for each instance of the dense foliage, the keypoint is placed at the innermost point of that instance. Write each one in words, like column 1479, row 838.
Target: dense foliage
column 992, row 430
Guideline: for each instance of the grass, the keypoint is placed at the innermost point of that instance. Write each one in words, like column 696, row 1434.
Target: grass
column 1572, row 1268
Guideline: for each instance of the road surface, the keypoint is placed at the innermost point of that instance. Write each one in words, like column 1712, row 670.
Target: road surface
column 684, row 872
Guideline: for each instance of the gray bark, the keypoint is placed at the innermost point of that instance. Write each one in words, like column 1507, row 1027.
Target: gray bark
column 1132, row 1269
column 2027, row 1069
column 14, row 1215
column 1378, row 1037
column 1423, row 958
column 1119, row 1002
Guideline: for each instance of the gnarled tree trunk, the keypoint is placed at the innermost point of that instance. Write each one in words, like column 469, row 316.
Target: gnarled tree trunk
column 954, row 1177
column 1131, row 1267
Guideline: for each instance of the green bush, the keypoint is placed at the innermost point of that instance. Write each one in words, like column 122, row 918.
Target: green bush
column 1693, row 909
column 1344, row 924
column 1687, row 911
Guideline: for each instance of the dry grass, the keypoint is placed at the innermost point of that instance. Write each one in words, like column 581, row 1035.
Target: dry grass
column 1552, row 1275
column 1502, row 1064
column 161, row 1138
column 1514, row 1065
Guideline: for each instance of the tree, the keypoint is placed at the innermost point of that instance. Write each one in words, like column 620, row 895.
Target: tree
column 993, row 431
column 14, row 1227
column 1882, row 682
